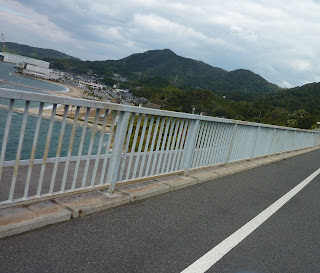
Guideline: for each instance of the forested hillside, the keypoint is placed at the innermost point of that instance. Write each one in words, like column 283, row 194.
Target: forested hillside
column 181, row 71
column 296, row 107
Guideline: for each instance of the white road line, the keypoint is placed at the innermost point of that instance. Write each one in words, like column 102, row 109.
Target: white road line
column 215, row 254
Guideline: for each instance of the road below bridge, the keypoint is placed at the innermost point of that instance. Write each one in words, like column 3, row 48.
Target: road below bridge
column 170, row 232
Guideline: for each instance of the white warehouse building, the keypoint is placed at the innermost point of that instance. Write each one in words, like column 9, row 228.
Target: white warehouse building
column 40, row 72
column 18, row 59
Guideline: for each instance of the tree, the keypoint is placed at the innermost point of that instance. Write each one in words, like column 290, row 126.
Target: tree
column 301, row 119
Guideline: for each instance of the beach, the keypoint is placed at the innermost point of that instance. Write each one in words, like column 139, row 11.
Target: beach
column 72, row 92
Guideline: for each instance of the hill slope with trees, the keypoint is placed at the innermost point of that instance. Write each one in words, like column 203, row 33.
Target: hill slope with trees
column 180, row 71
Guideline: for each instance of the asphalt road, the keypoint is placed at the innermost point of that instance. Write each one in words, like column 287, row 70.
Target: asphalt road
column 167, row 233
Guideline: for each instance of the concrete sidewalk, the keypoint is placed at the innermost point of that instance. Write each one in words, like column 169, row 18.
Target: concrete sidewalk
column 20, row 219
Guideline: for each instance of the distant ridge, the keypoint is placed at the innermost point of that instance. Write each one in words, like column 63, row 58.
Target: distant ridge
column 36, row 52
column 188, row 72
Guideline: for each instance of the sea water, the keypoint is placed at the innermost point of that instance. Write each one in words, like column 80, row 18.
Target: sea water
column 7, row 72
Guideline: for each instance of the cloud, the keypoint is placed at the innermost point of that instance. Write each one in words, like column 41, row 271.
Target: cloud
column 286, row 84
column 277, row 39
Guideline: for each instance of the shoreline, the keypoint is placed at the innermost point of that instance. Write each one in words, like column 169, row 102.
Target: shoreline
column 46, row 114
column 72, row 91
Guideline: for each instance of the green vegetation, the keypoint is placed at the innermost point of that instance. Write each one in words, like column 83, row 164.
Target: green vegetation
column 296, row 107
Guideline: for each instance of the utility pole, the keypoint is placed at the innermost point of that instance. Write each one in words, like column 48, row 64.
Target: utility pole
column 3, row 43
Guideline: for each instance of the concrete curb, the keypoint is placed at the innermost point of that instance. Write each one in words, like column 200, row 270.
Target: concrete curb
column 21, row 219
column 176, row 182
column 203, row 175
column 15, row 220
column 144, row 189
column 91, row 202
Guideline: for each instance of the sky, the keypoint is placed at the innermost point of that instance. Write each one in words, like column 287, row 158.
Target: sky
column 280, row 40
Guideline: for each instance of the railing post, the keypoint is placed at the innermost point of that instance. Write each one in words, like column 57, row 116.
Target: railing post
column 283, row 143
column 190, row 145
column 231, row 144
column 114, row 165
column 293, row 141
column 303, row 141
column 274, row 131
column 255, row 143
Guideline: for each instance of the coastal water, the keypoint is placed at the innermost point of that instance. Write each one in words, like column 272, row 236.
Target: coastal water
column 7, row 73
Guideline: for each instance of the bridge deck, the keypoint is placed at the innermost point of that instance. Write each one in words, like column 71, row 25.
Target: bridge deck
column 169, row 232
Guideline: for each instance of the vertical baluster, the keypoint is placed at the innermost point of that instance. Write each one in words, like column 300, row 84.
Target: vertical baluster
column 197, row 147
column 215, row 140
column 102, row 135
column 173, row 144
column 213, row 131
column 46, row 150
column 206, row 147
column 119, row 138
column 274, row 131
column 182, row 149
column 133, row 148
column 16, row 166
column 225, row 143
column 284, row 139
column 237, row 147
column 140, row 146
column 55, row 167
column 83, row 135
column 73, row 133
column 206, row 161
column 146, row 147
column 163, row 144
column 168, row 145
column 202, row 139
column 105, row 160
column 33, row 151
column 5, row 136
column 231, row 144
column 176, row 153
column 222, row 142
column 255, row 144
column 124, row 157
column 192, row 136
column 93, row 134
column 163, row 120
column 152, row 146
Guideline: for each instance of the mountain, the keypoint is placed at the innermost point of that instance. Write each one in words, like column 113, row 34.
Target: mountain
column 181, row 71
column 306, row 97
column 36, row 52
column 188, row 72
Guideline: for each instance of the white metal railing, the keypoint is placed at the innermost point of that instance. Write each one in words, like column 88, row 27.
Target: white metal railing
column 52, row 146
